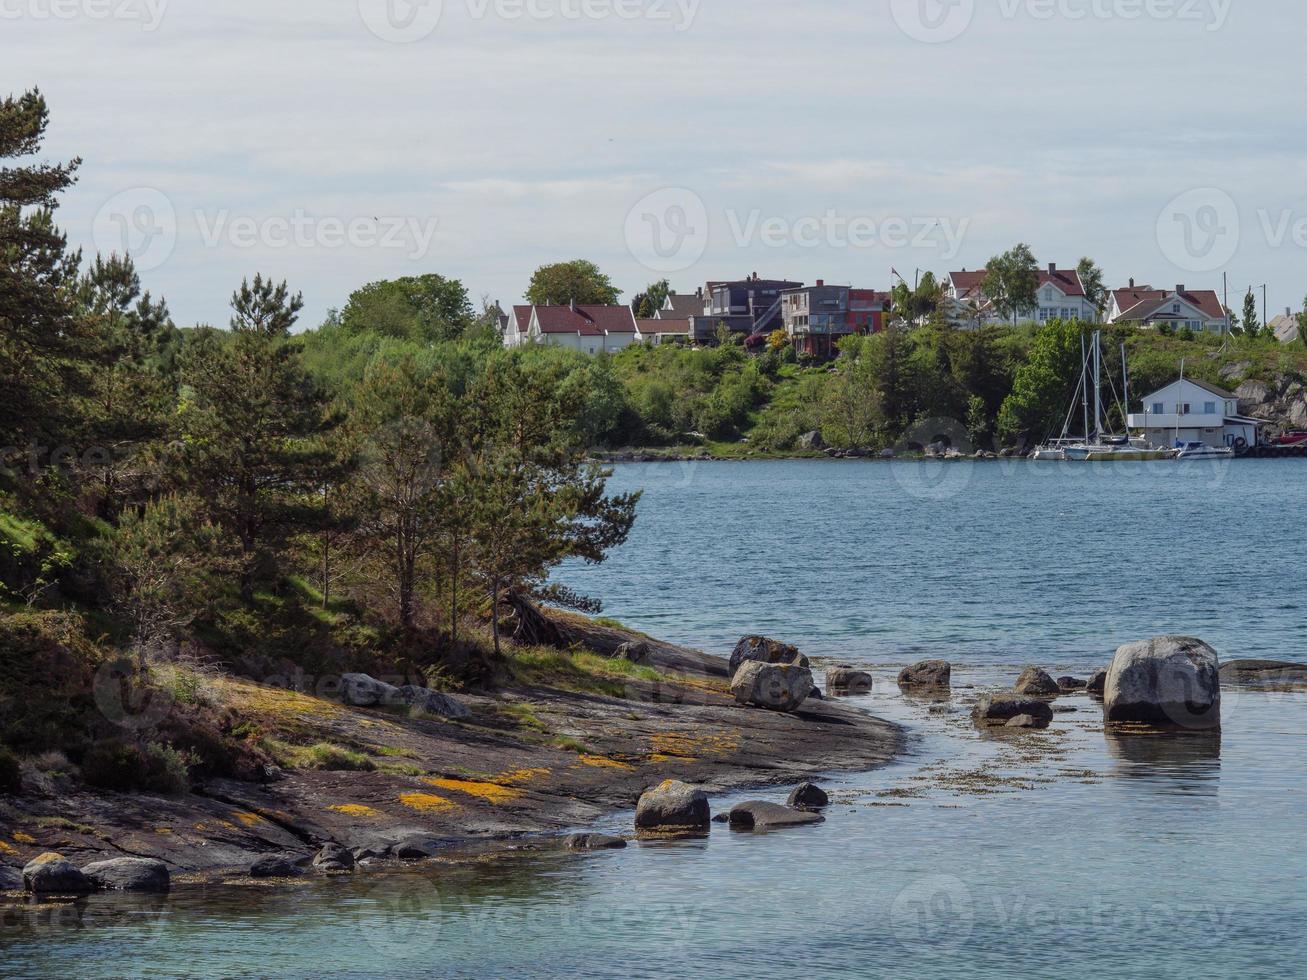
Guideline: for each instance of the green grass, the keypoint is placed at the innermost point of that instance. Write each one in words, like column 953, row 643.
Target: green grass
column 522, row 716
column 323, row 756
column 576, row 670
column 568, row 744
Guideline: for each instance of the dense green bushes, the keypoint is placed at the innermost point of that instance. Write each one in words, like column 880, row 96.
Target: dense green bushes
column 125, row 767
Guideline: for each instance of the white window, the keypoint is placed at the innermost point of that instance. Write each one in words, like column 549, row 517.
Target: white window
column 1209, row 408
column 1159, row 408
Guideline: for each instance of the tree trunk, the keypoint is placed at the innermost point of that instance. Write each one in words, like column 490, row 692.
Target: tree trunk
column 453, row 594
column 494, row 615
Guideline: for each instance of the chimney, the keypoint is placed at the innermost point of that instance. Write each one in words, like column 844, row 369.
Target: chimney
column 1052, row 268
column 821, row 283
column 1179, row 288
column 573, row 304
column 1132, row 283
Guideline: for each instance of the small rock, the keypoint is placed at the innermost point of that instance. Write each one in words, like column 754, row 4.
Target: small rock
column 1169, row 682
column 673, row 805
column 371, row 852
column 417, row 848
column 129, row 875
column 1039, row 683
column 765, row 651
column 932, row 674
column 846, row 680
column 778, row 687
column 721, row 817
column 1097, row 683
column 809, row 794
column 333, row 857
column 52, row 874
column 1064, row 709
column 759, row 815
column 1069, row 684
column 999, row 709
column 594, row 842
column 636, row 653
column 275, row 866
column 1028, row 721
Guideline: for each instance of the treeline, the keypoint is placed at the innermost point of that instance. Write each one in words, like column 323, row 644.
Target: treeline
column 371, row 495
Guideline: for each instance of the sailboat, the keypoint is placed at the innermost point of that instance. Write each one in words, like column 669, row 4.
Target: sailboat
column 1097, row 447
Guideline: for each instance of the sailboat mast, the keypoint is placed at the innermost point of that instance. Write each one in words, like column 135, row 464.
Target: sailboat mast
column 1098, row 387
column 1178, row 403
column 1125, row 386
column 1084, row 383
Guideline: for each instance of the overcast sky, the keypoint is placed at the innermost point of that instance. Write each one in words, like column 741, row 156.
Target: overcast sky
column 334, row 142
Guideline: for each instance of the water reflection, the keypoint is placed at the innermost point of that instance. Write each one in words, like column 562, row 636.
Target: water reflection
column 1176, row 763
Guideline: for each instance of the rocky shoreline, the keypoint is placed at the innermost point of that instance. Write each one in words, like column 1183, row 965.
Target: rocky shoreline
column 466, row 784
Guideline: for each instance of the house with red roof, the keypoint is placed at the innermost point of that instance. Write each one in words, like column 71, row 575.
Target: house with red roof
column 1060, row 295
column 817, row 318
column 590, row 329
column 1200, row 310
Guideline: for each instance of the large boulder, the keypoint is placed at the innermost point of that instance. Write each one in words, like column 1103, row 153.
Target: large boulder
column 1037, row 683
column 759, row 815
column 846, row 680
column 809, row 795
column 362, row 691
column 935, row 675
column 999, row 709
column 430, row 702
column 762, row 650
column 1167, row 682
column 52, row 874
column 779, row 687
column 129, row 875
column 673, row 805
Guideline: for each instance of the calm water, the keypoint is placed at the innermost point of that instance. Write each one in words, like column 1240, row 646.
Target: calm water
column 1060, row 854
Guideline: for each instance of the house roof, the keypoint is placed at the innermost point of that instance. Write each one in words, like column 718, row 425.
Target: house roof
column 681, row 305
column 967, row 284
column 1286, row 328
column 588, row 321
column 1218, row 392
column 1142, row 302
column 522, row 315
column 664, row 325
column 868, row 296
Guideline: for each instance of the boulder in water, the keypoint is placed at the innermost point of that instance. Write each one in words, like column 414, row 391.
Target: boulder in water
column 333, row 857
column 1037, row 683
column 129, row 875
column 1097, row 683
column 759, row 815
column 594, row 842
column 1027, row 721
column 1068, row 685
column 53, row 874
column 1166, row 682
column 673, row 805
column 809, row 795
column 936, row 675
column 846, row 680
column 999, row 709
column 275, row 866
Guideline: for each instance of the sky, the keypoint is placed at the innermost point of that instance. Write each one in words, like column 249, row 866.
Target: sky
column 337, row 142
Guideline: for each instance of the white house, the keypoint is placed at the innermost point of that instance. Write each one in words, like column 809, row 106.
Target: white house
column 1200, row 310
column 589, row 329
column 1194, row 411
column 1060, row 295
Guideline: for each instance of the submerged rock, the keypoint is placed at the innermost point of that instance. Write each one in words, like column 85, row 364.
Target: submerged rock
column 52, row 874
column 1037, row 682
column 761, row 649
column 275, row 866
column 809, row 795
column 760, row 815
column 1168, row 682
column 847, row 680
column 594, row 842
column 929, row 674
column 129, row 875
column 1264, row 672
column 1069, row 684
column 673, row 805
column 333, row 857
column 999, row 709
column 1028, row 721
column 779, row 687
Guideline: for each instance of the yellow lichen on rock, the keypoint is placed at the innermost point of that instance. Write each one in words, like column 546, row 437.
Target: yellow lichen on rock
column 354, row 810
column 22, row 838
column 517, row 776
column 603, row 762
column 246, row 818
column 7, row 848
column 428, row 802
column 490, row 792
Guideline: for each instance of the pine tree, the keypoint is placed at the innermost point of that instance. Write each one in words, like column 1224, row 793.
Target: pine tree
column 41, row 344
column 251, row 423
column 1252, row 326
